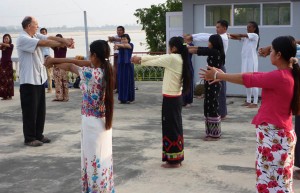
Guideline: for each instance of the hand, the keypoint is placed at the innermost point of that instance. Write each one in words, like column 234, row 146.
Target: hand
column 47, row 62
column 293, row 60
column 70, row 42
column 209, row 73
column 111, row 39
column 135, row 60
column 192, row 49
column 116, row 47
column 264, row 52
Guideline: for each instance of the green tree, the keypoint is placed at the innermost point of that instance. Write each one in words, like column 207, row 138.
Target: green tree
column 153, row 21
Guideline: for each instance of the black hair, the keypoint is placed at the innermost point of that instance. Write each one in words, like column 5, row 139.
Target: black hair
column 43, row 29
column 10, row 41
column 126, row 36
column 26, row 21
column 217, row 43
column 121, row 27
column 102, row 51
column 255, row 31
column 286, row 45
column 178, row 43
column 59, row 35
column 223, row 23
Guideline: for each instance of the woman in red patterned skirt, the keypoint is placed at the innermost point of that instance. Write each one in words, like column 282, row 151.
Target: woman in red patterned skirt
column 275, row 135
column 6, row 69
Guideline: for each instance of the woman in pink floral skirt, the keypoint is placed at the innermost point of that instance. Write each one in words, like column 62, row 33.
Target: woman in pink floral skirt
column 276, row 137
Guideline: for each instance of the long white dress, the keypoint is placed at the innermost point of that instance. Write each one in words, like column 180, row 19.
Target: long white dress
column 250, row 62
column 96, row 141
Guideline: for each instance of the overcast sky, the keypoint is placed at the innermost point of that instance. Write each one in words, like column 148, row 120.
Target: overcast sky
column 57, row 13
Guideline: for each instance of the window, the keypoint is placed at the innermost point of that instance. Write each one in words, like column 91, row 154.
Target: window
column 217, row 12
column 277, row 14
column 241, row 14
column 245, row 13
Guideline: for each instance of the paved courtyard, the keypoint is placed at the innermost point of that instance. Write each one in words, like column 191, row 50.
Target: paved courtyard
column 225, row 166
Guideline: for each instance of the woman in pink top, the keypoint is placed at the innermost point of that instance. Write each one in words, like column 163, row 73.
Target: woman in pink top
column 276, row 138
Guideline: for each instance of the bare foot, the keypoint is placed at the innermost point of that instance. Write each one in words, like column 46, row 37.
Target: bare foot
column 296, row 175
column 252, row 106
column 168, row 165
column 246, row 104
column 208, row 138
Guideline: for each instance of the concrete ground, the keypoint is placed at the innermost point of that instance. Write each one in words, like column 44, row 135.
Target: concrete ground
column 225, row 166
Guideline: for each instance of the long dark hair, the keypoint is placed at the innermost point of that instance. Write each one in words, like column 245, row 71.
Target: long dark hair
column 286, row 45
column 178, row 43
column 10, row 41
column 102, row 51
column 255, row 31
column 217, row 43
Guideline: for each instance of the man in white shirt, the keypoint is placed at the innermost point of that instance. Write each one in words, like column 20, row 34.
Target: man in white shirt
column 221, row 29
column 116, row 40
column 32, row 78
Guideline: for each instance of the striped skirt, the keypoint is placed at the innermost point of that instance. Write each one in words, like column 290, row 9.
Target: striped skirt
column 213, row 126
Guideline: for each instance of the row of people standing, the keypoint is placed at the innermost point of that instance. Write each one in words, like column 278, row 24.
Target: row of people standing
column 250, row 42
column 6, row 69
column 284, row 47
column 7, row 77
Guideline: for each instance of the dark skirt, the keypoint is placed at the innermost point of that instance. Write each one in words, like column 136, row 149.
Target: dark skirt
column 222, row 97
column 6, row 79
column 126, row 92
column 188, row 97
column 211, row 109
column 173, row 145
column 115, row 67
column 297, row 149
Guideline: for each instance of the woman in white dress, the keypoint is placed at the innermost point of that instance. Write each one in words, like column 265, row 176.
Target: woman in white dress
column 250, row 42
column 96, row 115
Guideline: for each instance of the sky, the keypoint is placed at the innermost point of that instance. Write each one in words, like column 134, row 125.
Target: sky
column 69, row 13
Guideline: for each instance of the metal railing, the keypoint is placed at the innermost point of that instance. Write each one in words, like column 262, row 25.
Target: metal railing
column 148, row 73
column 141, row 73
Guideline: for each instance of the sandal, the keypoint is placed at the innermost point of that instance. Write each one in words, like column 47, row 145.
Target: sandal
column 34, row 143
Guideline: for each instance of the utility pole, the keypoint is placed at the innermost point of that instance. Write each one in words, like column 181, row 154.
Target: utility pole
column 86, row 36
